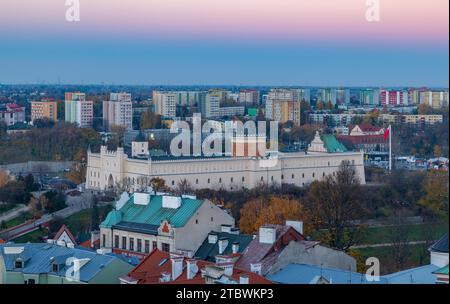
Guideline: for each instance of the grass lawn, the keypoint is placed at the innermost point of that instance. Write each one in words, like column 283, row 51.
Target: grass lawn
column 6, row 207
column 32, row 237
column 379, row 235
column 417, row 255
column 23, row 217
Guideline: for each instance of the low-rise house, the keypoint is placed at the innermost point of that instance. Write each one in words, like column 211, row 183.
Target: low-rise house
column 365, row 138
column 228, row 241
column 161, row 267
column 11, row 114
column 299, row 273
column 43, row 263
column 279, row 245
column 313, row 274
column 441, row 275
column 264, row 249
column 148, row 221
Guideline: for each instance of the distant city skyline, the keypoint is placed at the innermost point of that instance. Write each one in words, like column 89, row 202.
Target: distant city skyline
column 249, row 43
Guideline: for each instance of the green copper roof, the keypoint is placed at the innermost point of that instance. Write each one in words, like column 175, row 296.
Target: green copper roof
column 153, row 213
column 113, row 218
column 443, row 270
column 332, row 144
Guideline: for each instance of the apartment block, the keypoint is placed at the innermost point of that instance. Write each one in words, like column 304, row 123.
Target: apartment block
column 118, row 111
column 44, row 110
column 165, row 103
column 79, row 110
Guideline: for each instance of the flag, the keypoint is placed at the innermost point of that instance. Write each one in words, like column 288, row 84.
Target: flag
column 386, row 133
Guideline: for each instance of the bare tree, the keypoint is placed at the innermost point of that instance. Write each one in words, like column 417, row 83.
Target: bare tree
column 335, row 205
column 399, row 239
column 184, row 187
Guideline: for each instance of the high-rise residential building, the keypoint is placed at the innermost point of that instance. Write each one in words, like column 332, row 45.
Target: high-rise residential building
column 44, row 109
column 304, row 95
column 414, row 95
column 343, row 96
column 78, row 109
column 327, row 95
column 393, row 97
column 369, row 97
column 283, row 94
column 435, row 99
column 283, row 111
column 283, row 105
column 209, row 107
column 11, row 113
column 118, row 111
column 249, row 96
column 165, row 103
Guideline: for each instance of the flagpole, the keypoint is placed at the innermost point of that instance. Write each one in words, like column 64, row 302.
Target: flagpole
column 390, row 148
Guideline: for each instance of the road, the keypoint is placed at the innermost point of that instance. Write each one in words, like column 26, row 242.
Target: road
column 31, row 225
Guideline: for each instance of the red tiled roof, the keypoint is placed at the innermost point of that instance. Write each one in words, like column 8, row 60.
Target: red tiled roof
column 157, row 262
column 368, row 128
column 267, row 254
column 87, row 244
column 362, row 139
column 2, row 241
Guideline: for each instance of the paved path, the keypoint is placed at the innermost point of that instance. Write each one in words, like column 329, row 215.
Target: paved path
column 11, row 214
column 387, row 244
column 31, row 225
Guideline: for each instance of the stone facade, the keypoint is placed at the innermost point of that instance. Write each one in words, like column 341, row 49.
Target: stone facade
column 110, row 169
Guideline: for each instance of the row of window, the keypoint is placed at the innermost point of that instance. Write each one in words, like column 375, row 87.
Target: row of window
column 140, row 245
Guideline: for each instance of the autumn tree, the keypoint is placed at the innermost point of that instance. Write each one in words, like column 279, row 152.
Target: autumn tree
column 435, row 200
column 77, row 173
column 250, row 213
column 276, row 210
column 320, row 105
column 335, row 204
column 158, row 184
column 149, row 120
column 4, row 178
column 437, row 151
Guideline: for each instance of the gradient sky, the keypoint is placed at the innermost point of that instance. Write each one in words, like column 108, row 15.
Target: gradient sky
column 248, row 42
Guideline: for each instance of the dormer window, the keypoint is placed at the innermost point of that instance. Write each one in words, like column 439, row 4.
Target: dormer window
column 18, row 264
column 55, row 267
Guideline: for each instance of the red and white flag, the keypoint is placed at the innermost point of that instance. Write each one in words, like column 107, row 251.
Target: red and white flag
column 387, row 132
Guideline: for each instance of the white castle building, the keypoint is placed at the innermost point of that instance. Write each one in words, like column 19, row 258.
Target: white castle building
column 110, row 169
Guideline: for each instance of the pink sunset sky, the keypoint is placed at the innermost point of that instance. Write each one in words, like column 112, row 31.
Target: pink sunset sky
column 291, row 20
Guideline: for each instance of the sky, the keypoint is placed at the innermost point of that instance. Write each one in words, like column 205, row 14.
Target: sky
column 226, row 42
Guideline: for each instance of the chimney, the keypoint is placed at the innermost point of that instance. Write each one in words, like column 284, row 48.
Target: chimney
column 165, row 277
column 267, row 235
column 177, row 267
column 297, row 225
column 212, row 238
column 192, row 268
column 227, row 269
column 243, row 279
column 223, row 243
column 226, row 228
column 235, row 231
column 256, row 268
column 235, row 247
